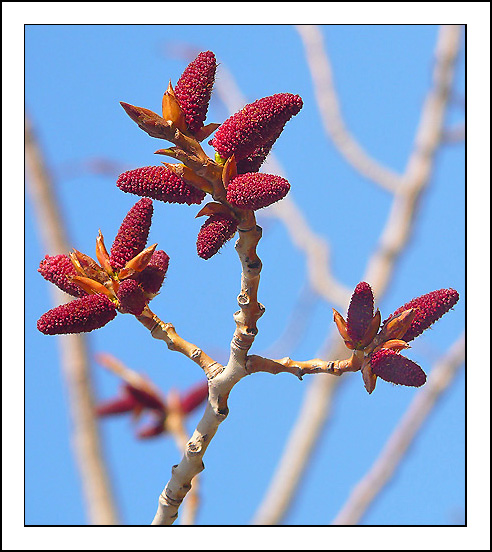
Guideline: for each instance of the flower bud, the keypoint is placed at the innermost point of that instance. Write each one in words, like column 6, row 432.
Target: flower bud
column 255, row 126
column 56, row 270
column 360, row 312
column 393, row 367
column 147, row 398
column 80, row 315
column 133, row 233
column 256, row 190
column 119, row 405
column 428, row 309
column 152, row 277
column 159, row 183
column 215, row 232
column 131, row 297
column 194, row 88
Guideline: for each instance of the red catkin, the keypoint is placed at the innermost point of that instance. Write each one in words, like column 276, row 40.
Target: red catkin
column 153, row 429
column 428, row 309
column 145, row 398
column 255, row 126
column 256, row 190
column 131, row 297
column 119, row 405
column 80, row 315
column 161, row 184
column 360, row 311
column 152, row 277
column 215, row 232
column 194, row 88
column 395, row 368
column 55, row 269
column 132, row 235
column 194, row 397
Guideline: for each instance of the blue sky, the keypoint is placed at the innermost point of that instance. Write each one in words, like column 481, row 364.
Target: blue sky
column 75, row 78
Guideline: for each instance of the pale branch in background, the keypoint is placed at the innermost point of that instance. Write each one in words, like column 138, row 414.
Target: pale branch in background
column 73, row 348
column 318, row 398
column 384, row 467
column 418, row 172
column 331, row 115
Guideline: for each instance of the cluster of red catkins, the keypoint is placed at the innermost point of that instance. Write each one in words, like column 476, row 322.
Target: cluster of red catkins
column 128, row 277
column 247, row 135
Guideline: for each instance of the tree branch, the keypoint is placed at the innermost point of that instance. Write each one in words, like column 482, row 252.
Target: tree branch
column 331, row 115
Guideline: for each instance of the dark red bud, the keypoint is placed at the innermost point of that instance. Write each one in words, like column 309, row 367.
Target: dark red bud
column 132, row 234
column 395, row 368
column 215, row 232
column 80, row 315
column 428, row 309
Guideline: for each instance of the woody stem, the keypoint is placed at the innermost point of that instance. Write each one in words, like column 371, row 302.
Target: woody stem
column 167, row 332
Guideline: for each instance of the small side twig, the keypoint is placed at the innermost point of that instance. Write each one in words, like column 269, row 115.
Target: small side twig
column 167, row 332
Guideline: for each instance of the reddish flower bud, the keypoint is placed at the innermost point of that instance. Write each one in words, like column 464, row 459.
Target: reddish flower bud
column 360, row 312
column 256, row 190
column 194, row 88
column 80, row 315
column 428, row 309
column 152, row 429
column 131, row 297
column 256, row 125
column 133, row 233
column 146, row 398
column 393, row 367
column 194, row 397
column 56, row 269
column 120, row 405
column 215, row 232
column 152, row 277
column 159, row 183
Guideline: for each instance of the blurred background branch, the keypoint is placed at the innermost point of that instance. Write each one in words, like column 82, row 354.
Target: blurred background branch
column 393, row 452
column 74, row 354
column 318, row 398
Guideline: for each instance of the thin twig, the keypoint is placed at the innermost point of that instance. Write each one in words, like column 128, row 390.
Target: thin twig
column 418, row 172
column 73, row 348
column 331, row 115
column 384, row 467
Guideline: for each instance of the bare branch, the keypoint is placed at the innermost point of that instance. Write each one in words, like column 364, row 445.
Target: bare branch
column 221, row 382
column 73, row 348
column 321, row 73
column 399, row 225
column 167, row 332
column 402, row 437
